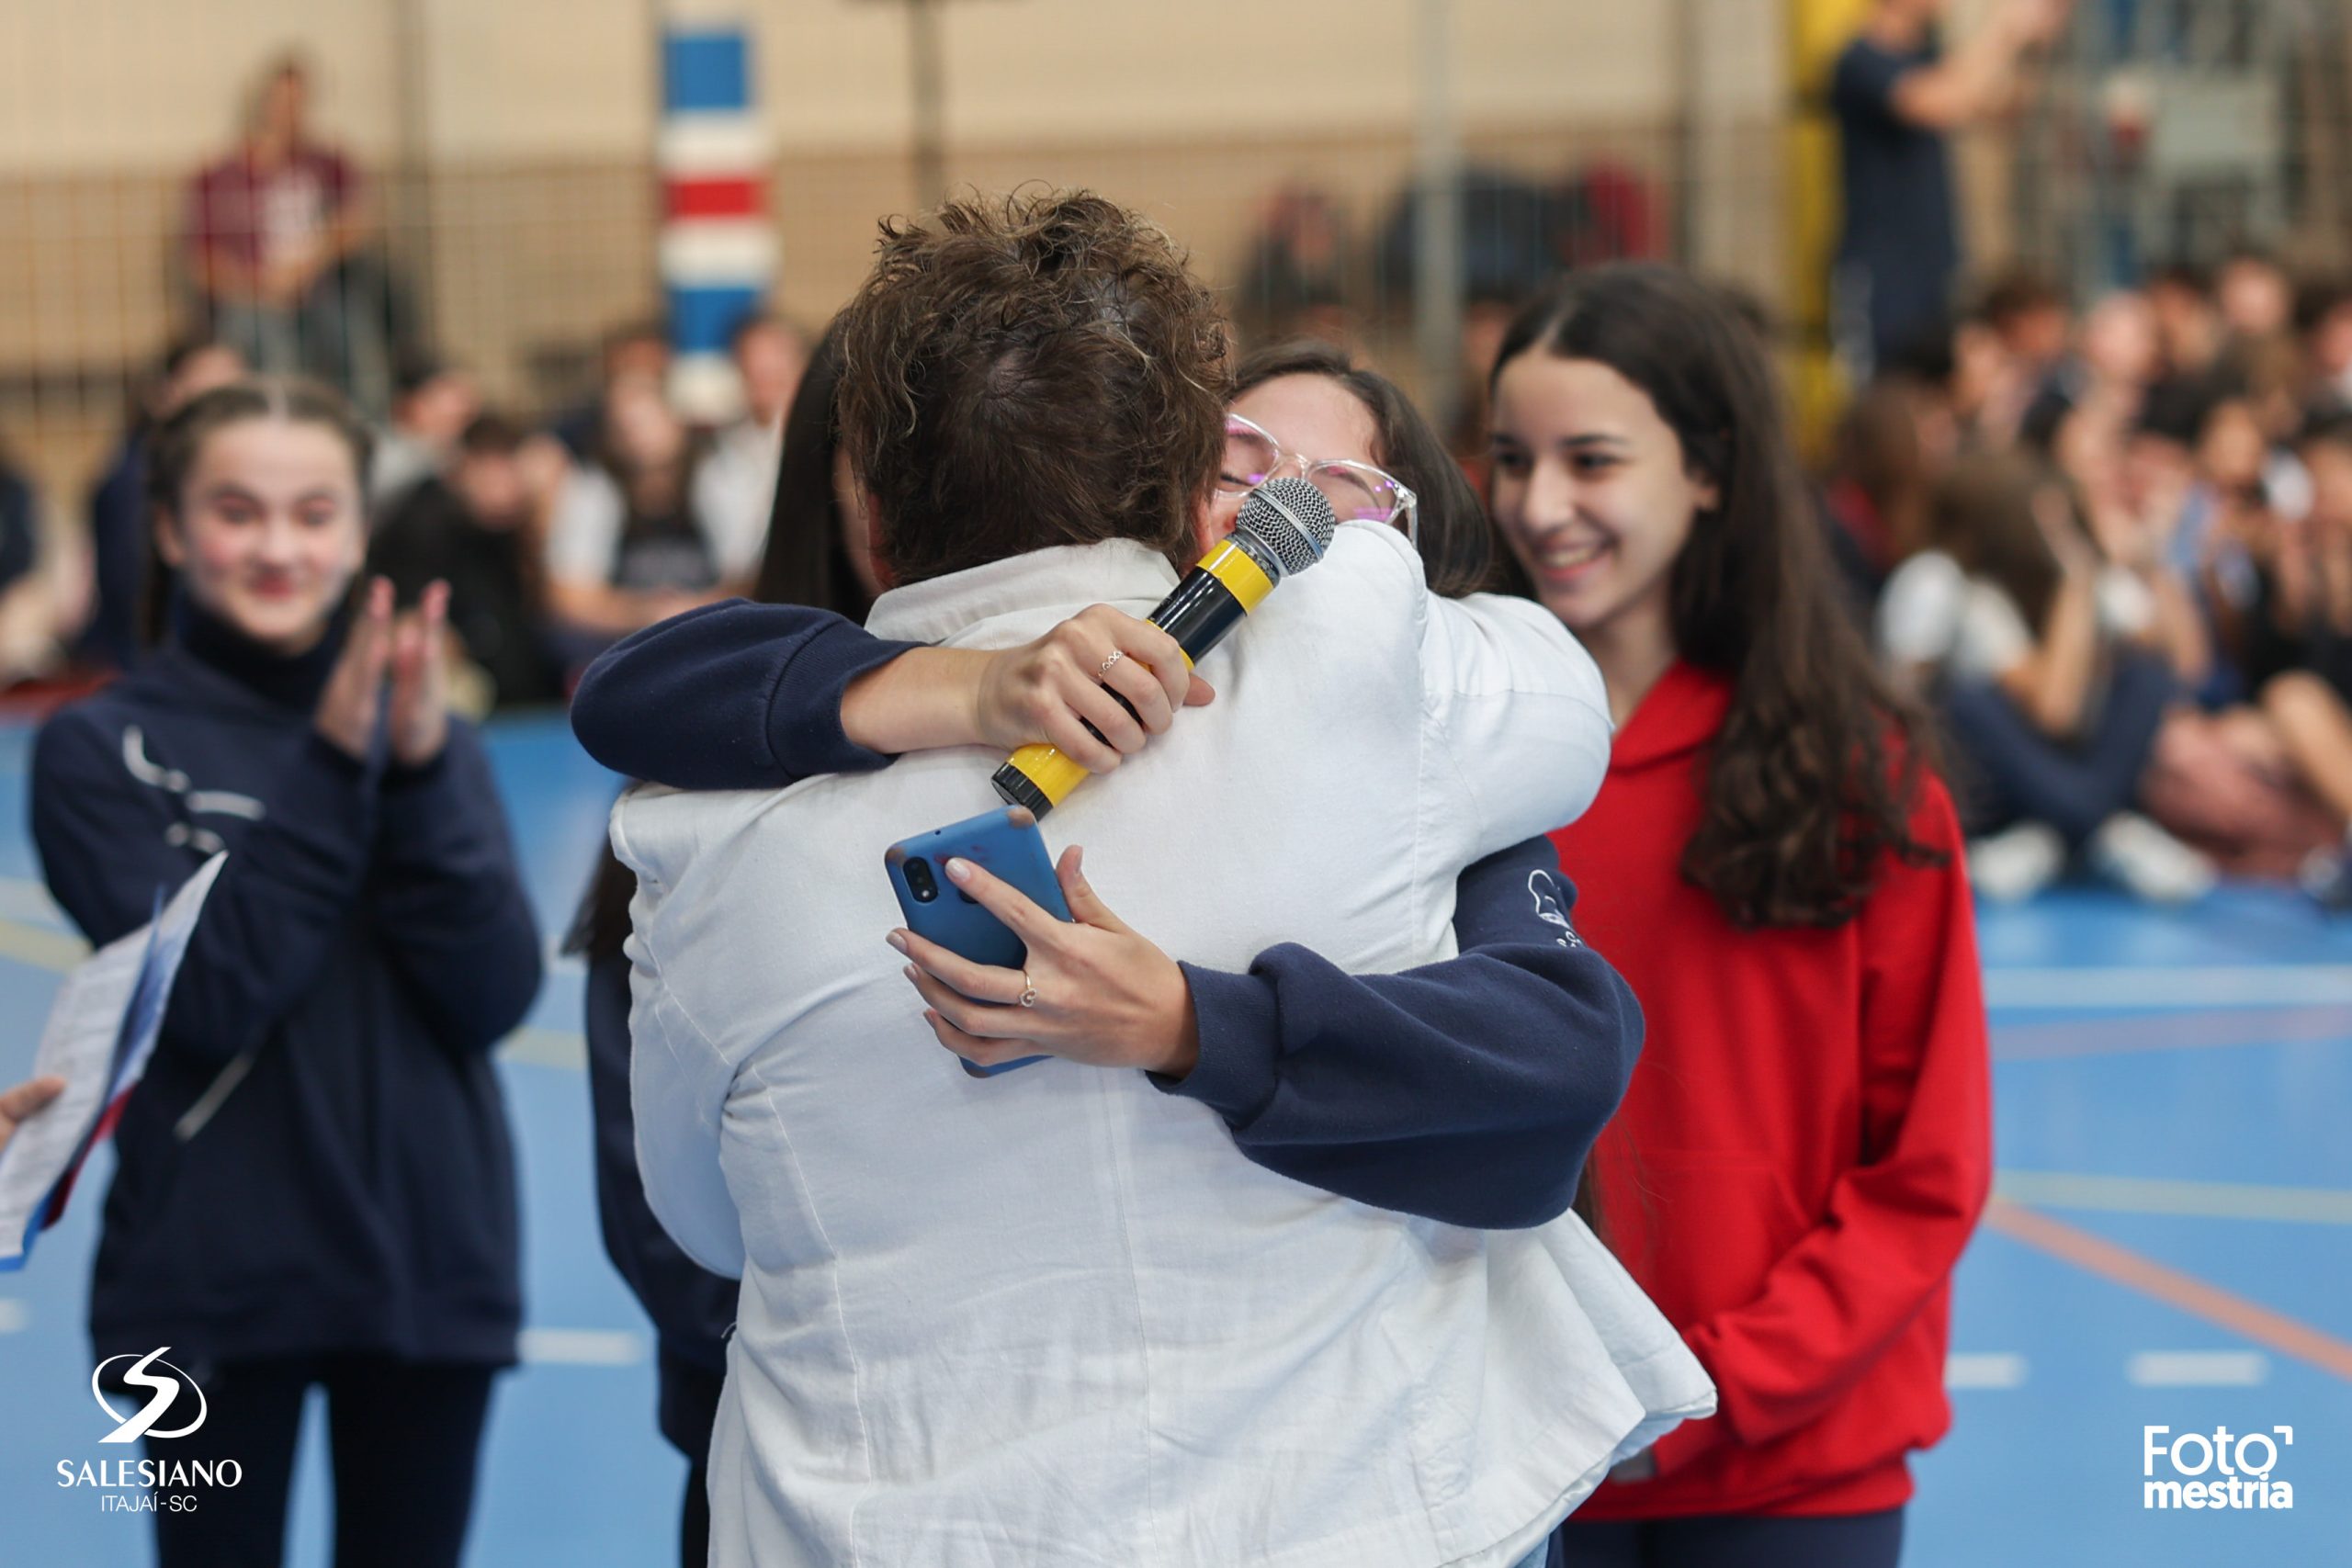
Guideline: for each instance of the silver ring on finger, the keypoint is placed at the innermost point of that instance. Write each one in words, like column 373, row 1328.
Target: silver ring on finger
column 1028, row 990
column 1116, row 654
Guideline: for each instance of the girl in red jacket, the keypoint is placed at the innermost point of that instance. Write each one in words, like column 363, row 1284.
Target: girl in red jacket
column 1805, row 1145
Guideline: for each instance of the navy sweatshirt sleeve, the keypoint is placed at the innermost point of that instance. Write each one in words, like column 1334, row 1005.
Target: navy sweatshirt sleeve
column 733, row 695
column 267, row 923
column 691, row 1307
column 450, row 902
column 1468, row 1091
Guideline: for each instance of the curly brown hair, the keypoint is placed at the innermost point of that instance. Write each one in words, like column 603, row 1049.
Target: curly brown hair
column 1031, row 370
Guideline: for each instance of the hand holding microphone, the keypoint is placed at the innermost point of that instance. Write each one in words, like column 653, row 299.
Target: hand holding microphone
column 1059, row 688
column 1285, row 527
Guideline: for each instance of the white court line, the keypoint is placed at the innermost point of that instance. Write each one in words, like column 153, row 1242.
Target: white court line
column 547, row 1047
column 1984, row 1369
column 2198, row 1200
column 581, row 1348
column 2198, row 1369
column 15, row 1315
column 2170, row 986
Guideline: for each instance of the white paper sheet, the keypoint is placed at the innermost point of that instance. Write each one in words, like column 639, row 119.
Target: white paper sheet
column 101, row 1031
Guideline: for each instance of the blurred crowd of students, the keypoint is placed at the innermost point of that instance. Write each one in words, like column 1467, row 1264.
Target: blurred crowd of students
column 2114, row 548
column 555, row 539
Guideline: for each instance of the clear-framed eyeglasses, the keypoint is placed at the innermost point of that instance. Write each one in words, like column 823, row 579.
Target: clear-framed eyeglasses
column 1355, row 491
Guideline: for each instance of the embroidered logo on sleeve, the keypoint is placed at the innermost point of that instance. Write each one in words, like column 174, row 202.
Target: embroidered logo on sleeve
column 1545, row 890
column 198, row 802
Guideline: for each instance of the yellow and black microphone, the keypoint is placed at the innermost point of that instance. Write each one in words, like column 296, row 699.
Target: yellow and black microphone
column 1285, row 527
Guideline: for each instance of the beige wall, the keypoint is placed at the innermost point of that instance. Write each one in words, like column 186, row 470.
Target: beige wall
column 133, row 84
column 512, row 139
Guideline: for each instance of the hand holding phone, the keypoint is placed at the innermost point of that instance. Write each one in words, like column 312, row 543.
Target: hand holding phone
column 1007, row 844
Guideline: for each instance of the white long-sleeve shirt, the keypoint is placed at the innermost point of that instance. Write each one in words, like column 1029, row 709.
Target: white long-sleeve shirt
column 1054, row 1318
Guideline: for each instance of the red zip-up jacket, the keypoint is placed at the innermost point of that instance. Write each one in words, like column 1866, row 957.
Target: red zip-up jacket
column 1805, row 1146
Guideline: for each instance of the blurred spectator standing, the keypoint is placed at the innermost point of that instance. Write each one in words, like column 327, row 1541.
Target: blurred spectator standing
column 120, row 514
column 2255, row 298
column 2189, row 327
column 431, row 405
column 633, row 351
column 1896, row 96
column 736, row 484
column 1296, row 282
column 478, row 529
column 630, row 541
column 2108, row 377
column 19, row 526
column 1875, row 494
column 44, row 582
column 275, row 231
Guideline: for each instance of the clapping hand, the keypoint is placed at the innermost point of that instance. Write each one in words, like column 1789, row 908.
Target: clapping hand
column 354, row 696
column 410, row 650
column 420, row 714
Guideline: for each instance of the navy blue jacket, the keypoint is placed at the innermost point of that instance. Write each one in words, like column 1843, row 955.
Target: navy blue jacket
column 318, row 1160
column 1468, row 1091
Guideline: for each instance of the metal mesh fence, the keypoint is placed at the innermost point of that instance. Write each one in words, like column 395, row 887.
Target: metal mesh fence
column 514, row 201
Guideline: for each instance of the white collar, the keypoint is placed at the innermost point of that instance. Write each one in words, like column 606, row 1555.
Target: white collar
column 937, row 609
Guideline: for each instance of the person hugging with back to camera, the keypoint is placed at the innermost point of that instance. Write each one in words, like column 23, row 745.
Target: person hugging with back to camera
column 1031, row 401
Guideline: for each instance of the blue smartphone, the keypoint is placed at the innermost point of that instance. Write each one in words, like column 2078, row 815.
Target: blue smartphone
column 1007, row 842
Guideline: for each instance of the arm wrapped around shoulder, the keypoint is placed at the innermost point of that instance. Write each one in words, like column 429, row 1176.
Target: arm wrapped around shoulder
column 1514, row 717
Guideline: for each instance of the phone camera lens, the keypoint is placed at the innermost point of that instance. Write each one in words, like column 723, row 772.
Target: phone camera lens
column 920, row 882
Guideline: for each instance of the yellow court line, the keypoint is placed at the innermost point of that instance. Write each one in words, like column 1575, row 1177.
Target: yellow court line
column 2235, row 1313
column 42, row 947
column 2186, row 1200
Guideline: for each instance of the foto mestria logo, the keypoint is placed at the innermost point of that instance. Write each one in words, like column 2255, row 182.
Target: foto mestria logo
column 2217, row 1471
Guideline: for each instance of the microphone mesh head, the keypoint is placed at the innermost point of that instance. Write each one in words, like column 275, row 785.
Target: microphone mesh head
column 1292, row 518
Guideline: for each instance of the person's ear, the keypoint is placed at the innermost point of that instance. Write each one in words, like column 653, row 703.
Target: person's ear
column 876, row 531
column 1211, row 522
column 168, row 543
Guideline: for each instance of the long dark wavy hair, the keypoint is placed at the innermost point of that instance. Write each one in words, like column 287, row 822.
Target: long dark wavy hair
column 1811, row 782
column 1457, row 544
column 805, row 562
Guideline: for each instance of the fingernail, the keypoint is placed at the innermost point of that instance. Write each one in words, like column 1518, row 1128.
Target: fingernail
column 908, row 971
column 897, row 940
column 959, row 871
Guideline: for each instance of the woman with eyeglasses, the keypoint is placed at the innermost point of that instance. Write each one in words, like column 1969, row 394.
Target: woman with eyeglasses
column 1465, row 1091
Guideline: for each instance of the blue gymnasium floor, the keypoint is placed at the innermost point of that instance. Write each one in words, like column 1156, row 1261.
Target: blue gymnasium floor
column 2174, row 1247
